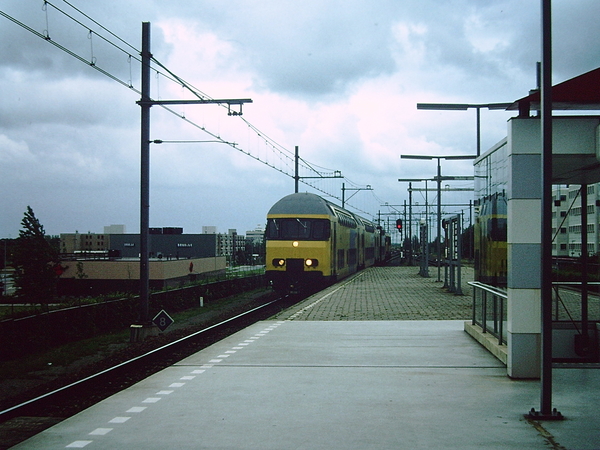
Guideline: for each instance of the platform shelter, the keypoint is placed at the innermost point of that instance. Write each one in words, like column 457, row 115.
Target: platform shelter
column 509, row 200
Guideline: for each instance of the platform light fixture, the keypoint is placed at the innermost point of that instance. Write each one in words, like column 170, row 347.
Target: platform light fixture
column 464, row 107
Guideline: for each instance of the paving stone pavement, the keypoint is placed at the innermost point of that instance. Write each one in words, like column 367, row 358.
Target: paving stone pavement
column 387, row 293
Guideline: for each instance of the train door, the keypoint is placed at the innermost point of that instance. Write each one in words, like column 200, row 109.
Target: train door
column 334, row 262
column 362, row 257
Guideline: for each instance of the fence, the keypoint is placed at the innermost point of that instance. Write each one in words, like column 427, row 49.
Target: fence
column 40, row 332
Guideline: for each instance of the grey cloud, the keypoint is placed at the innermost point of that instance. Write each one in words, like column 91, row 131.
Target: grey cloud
column 25, row 51
column 576, row 37
column 311, row 48
column 71, row 101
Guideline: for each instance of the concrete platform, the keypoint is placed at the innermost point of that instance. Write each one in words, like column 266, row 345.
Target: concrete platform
column 337, row 384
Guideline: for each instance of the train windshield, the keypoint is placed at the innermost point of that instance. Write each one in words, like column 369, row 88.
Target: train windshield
column 303, row 229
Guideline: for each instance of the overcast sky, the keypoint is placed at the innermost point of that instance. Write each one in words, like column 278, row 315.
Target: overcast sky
column 339, row 79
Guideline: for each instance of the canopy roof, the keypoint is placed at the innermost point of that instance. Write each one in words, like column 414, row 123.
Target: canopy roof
column 579, row 93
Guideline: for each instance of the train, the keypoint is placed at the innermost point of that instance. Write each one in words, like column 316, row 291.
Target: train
column 311, row 242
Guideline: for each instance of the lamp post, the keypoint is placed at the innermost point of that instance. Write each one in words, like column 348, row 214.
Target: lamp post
column 464, row 107
column 439, row 179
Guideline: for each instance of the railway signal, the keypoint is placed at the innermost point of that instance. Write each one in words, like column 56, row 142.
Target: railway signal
column 399, row 225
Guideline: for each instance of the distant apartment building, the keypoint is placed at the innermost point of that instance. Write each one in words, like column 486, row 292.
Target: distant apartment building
column 255, row 245
column 567, row 220
column 230, row 244
column 89, row 242
column 84, row 242
column 256, row 236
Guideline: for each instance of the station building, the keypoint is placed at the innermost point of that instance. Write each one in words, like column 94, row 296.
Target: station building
column 508, row 198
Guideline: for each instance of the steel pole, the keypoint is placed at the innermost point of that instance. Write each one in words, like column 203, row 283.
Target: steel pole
column 145, row 176
column 410, row 242
column 478, row 131
column 546, row 253
column 439, row 218
column 584, row 272
column 296, row 175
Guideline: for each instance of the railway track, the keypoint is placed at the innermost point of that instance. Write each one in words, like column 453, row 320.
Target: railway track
column 31, row 416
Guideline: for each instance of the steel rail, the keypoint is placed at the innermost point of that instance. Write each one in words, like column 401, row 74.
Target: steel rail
column 6, row 414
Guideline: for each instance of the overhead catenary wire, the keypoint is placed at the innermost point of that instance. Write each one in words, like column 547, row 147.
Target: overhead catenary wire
column 130, row 53
column 101, row 26
column 69, row 52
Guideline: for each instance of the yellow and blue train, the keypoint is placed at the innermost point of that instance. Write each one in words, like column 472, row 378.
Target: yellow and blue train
column 311, row 242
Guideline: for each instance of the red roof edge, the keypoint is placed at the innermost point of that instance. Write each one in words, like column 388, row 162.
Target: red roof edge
column 581, row 92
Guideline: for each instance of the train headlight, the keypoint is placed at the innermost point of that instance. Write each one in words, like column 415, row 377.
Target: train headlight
column 311, row 262
column 278, row 262
column 295, row 244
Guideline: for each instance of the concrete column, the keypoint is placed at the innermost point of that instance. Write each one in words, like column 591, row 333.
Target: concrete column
column 524, row 249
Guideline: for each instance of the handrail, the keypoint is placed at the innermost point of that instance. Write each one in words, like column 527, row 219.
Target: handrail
column 498, row 301
column 486, row 287
column 490, row 302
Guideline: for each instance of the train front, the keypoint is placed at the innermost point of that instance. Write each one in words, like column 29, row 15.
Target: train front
column 298, row 243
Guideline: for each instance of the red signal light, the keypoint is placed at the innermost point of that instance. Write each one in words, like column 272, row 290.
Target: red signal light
column 399, row 225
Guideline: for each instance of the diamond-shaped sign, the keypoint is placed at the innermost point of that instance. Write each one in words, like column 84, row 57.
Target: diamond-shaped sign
column 162, row 320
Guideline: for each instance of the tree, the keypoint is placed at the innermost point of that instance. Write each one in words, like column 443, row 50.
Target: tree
column 36, row 263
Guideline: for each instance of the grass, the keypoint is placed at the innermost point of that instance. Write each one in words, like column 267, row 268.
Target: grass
column 60, row 356
column 67, row 354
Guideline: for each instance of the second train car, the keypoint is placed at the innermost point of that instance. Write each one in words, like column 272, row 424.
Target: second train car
column 311, row 242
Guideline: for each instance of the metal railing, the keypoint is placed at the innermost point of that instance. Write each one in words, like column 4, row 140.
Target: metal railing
column 490, row 309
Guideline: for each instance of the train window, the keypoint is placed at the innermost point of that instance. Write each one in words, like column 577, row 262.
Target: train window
column 295, row 229
column 320, row 229
column 298, row 228
column 497, row 229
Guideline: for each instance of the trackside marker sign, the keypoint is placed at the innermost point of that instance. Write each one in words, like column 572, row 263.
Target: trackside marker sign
column 162, row 320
